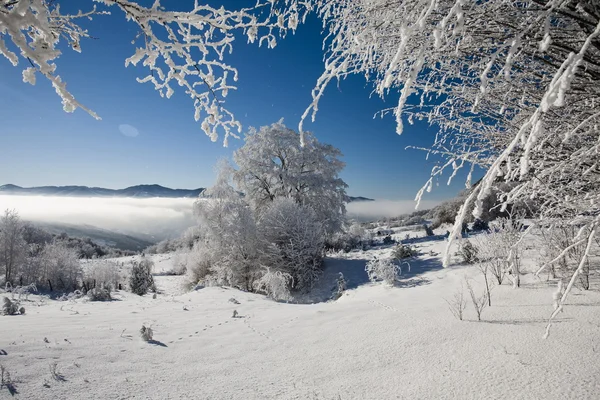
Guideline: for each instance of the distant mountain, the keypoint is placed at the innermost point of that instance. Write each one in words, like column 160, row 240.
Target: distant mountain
column 359, row 198
column 139, row 191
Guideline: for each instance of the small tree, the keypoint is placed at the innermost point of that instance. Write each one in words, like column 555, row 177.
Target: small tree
column 141, row 280
column 492, row 251
column 479, row 302
column 13, row 247
column 458, row 303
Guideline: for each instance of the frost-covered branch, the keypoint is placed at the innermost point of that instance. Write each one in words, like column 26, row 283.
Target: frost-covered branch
column 181, row 49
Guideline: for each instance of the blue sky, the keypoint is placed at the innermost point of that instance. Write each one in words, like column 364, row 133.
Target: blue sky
column 47, row 146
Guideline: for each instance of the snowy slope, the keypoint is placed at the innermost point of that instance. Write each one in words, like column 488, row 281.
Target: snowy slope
column 375, row 342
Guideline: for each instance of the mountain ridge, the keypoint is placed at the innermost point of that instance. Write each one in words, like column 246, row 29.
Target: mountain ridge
column 137, row 191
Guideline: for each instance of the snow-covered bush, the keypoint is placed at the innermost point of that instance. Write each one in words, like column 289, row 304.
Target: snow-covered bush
column 99, row 294
column 275, row 284
column 59, row 267
column 23, row 292
column 102, row 274
column 402, row 251
column 382, row 270
column 198, row 263
column 141, row 280
column 356, row 236
column 341, row 286
column 179, row 262
column 146, row 333
column 11, row 307
column 293, row 241
column 445, row 213
column 467, row 252
column 493, row 252
column 414, row 220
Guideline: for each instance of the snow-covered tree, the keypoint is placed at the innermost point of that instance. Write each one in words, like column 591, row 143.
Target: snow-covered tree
column 13, row 247
column 293, row 241
column 59, row 267
column 273, row 164
column 229, row 235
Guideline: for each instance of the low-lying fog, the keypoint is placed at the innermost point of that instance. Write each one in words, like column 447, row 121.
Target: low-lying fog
column 155, row 215
column 372, row 210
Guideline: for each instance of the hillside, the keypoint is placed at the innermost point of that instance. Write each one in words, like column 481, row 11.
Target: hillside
column 103, row 237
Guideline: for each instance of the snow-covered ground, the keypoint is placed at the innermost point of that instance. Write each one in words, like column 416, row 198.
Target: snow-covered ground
column 375, row 342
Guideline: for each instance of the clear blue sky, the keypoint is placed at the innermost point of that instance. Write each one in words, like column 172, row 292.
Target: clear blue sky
column 45, row 146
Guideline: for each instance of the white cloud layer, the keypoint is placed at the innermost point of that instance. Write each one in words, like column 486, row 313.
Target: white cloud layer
column 162, row 217
column 156, row 216
column 371, row 210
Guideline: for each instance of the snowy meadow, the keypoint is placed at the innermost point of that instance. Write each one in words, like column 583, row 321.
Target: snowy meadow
column 375, row 341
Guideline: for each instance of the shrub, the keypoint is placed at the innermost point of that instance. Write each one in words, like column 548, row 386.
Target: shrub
column 341, row 285
column 355, row 237
column 458, row 303
column 276, row 285
column 428, row 230
column 415, row 220
column 479, row 302
column 445, row 213
column 388, row 240
column 382, row 270
column 480, row 225
column 103, row 274
column 403, row 251
column 197, row 264
column 11, row 307
column 146, row 333
column 141, row 280
column 60, row 267
column 23, row 292
column 99, row 294
column 467, row 252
